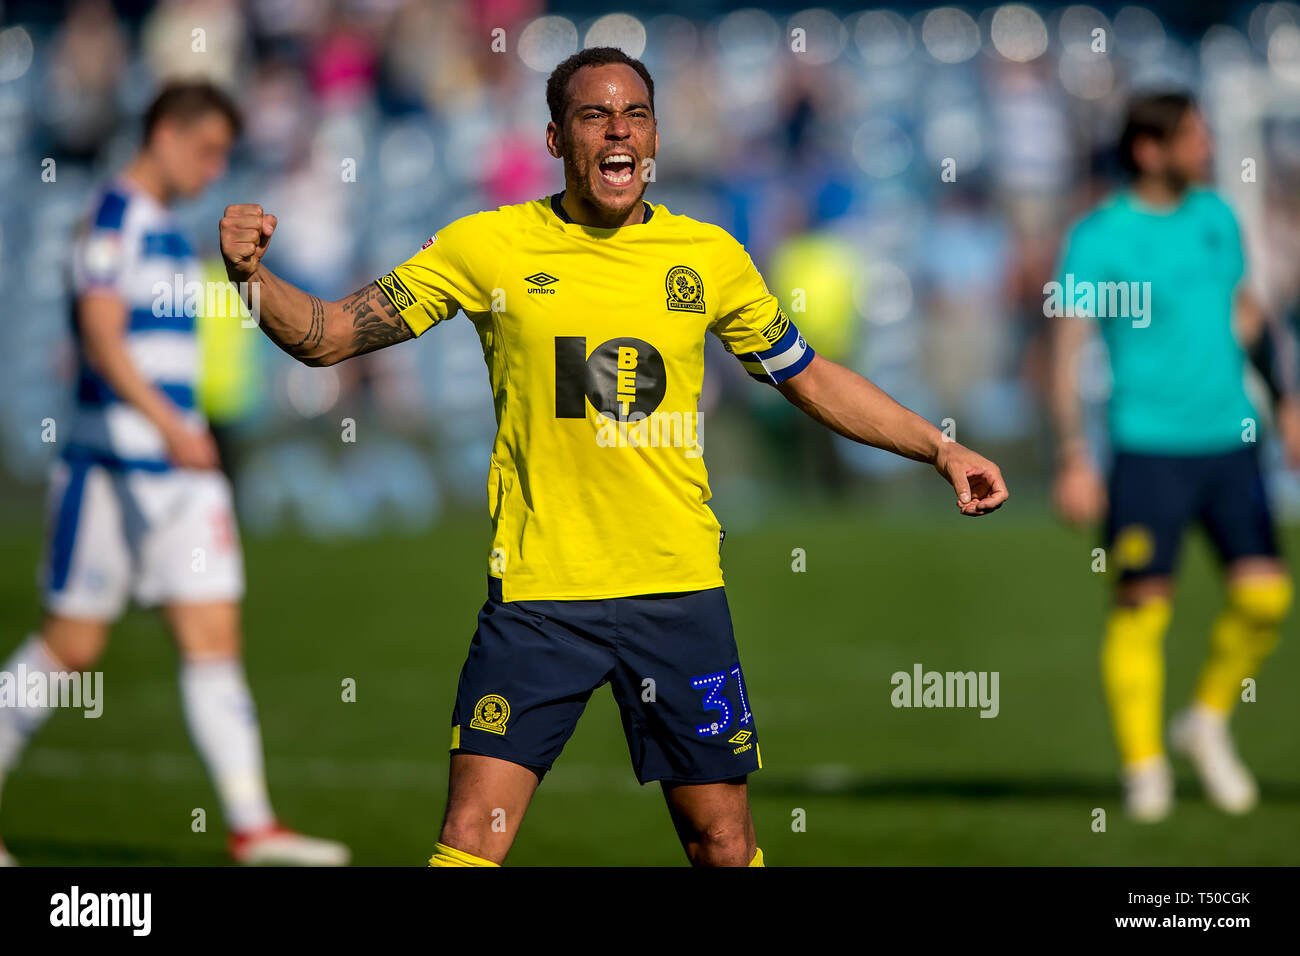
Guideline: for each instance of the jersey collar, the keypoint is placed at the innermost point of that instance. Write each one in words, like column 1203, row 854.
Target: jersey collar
column 1138, row 205
column 564, row 217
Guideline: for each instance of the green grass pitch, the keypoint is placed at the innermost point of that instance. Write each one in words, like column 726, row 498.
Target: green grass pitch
column 877, row 785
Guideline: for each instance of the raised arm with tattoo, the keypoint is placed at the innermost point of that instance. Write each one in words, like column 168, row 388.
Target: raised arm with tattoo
column 313, row 331
column 850, row 405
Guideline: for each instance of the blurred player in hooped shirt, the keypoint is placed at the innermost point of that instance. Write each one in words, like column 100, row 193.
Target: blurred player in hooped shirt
column 138, row 506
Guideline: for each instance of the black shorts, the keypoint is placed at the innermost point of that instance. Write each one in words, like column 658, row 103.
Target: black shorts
column 1154, row 497
column 671, row 661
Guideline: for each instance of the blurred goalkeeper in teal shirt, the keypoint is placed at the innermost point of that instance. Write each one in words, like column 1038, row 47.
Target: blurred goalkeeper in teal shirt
column 1159, row 270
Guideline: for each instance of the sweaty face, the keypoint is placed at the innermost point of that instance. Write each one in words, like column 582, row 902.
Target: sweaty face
column 607, row 134
column 192, row 155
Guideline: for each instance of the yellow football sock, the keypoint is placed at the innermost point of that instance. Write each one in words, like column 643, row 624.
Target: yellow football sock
column 1133, row 673
column 444, row 855
column 1244, row 634
column 758, row 857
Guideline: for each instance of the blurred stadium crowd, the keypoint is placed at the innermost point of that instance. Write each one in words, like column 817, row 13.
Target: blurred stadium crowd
column 818, row 137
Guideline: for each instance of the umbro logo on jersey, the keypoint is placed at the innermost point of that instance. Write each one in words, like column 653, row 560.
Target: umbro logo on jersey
column 541, row 282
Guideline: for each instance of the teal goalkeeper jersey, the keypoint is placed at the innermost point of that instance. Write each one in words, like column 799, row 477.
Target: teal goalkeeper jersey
column 1161, row 286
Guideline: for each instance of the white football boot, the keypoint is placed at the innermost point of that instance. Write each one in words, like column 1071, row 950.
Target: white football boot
column 279, row 846
column 1202, row 736
column 1149, row 789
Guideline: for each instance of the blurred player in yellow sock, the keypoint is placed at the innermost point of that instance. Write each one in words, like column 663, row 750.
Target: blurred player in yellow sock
column 1245, row 632
column 1182, row 430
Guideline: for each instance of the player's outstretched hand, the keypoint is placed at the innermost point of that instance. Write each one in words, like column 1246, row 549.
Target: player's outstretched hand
column 245, row 232
column 977, row 481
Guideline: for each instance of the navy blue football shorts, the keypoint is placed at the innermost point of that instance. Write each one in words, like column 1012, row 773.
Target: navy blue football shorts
column 670, row 659
column 1153, row 498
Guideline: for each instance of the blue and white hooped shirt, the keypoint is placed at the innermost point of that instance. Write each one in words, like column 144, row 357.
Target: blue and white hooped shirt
column 131, row 246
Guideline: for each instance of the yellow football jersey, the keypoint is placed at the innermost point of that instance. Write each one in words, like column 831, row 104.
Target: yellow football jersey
column 594, row 343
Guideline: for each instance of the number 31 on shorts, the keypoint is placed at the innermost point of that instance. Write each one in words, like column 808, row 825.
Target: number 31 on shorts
column 714, row 699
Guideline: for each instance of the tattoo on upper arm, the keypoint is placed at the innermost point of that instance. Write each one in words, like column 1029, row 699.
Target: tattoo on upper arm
column 375, row 323
column 316, row 331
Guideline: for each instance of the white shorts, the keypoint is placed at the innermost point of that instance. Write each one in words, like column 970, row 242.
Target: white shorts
column 166, row 537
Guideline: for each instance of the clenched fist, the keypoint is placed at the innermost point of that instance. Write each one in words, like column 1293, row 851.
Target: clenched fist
column 245, row 233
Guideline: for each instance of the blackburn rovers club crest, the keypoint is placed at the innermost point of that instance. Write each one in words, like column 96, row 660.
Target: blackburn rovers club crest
column 1135, row 547
column 685, row 290
column 491, row 714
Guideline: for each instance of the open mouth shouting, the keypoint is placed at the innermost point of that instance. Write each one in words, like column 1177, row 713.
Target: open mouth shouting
column 616, row 169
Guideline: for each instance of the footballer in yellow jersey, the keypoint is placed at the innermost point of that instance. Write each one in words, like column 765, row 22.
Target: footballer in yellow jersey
column 594, row 343
column 593, row 307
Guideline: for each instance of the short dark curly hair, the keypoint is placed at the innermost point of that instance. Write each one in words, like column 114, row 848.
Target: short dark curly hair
column 557, row 86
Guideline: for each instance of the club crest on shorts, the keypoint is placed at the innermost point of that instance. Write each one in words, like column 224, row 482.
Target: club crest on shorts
column 685, row 289
column 1134, row 547
column 491, row 714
